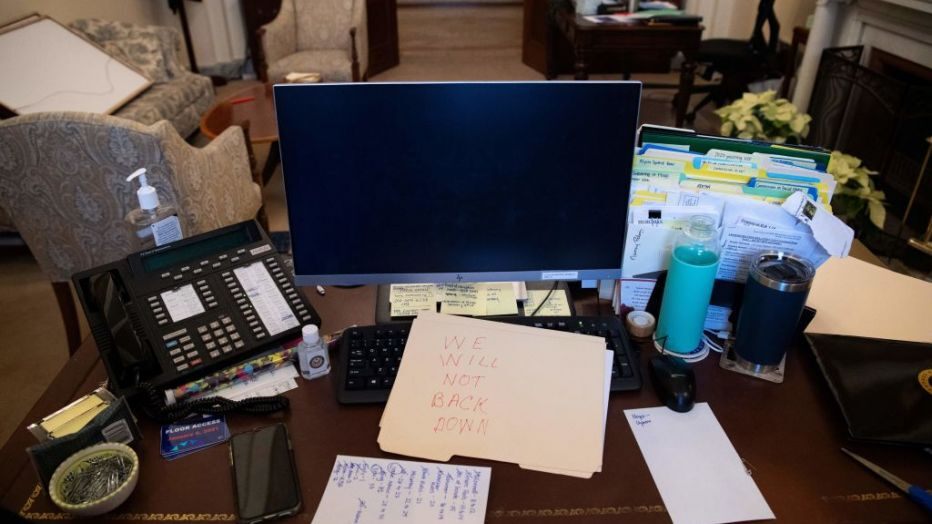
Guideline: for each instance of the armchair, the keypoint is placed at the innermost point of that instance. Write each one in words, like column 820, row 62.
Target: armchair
column 62, row 180
column 322, row 36
column 176, row 95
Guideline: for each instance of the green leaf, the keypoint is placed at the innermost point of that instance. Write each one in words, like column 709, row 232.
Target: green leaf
column 877, row 213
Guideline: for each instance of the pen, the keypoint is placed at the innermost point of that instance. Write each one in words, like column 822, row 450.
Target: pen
column 917, row 494
column 242, row 100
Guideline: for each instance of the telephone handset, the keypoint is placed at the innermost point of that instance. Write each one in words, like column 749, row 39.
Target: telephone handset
column 174, row 313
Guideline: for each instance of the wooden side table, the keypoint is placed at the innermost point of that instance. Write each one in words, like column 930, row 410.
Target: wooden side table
column 253, row 109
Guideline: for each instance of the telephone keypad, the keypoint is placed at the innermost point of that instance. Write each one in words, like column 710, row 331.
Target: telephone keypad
column 219, row 336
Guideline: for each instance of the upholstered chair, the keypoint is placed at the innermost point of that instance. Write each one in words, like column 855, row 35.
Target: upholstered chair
column 63, row 182
column 316, row 36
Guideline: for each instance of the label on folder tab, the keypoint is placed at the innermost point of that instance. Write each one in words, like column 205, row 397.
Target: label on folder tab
column 559, row 275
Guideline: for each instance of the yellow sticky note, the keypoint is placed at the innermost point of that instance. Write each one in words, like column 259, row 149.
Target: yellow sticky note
column 556, row 305
column 408, row 300
column 499, row 298
column 462, row 299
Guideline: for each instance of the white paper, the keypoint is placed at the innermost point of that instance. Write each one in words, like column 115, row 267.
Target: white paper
column 182, row 303
column 834, row 235
column 741, row 244
column 370, row 490
column 696, row 469
column 266, row 298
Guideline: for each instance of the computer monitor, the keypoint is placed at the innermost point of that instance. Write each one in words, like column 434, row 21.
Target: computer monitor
column 447, row 182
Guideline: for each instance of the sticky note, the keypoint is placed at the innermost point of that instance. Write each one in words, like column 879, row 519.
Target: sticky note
column 499, row 298
column 556, row 305
column 462, row 299
column 407, row 300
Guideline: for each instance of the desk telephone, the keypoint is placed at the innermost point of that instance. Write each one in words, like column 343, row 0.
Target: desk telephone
column 171, row 314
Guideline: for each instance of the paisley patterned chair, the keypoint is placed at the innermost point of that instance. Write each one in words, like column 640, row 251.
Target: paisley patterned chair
column 317, row 36
column 176, row 95
column 62, row 181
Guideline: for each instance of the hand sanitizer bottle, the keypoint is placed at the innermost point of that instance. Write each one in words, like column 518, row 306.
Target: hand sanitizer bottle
column 313, row 358
column 153, row 223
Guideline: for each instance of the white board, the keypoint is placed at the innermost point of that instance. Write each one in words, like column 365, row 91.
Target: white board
column 47, row 67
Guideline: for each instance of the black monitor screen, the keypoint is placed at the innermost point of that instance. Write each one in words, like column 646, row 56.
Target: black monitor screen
column 457, row 181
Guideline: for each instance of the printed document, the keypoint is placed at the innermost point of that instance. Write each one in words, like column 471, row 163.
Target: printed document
column 182, row 303
column 371, row 490
column 266, row 298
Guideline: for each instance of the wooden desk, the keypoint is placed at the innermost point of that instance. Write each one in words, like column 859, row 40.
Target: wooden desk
column 788, row 435
column 629, row 48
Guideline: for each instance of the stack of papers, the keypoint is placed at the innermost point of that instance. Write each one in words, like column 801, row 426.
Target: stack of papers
column 760, row 194
column 476, row 388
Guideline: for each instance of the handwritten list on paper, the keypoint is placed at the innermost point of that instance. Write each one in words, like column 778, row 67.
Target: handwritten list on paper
column 368, row 490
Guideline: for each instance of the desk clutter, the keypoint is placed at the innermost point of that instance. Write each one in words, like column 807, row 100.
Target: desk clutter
column 722, row 247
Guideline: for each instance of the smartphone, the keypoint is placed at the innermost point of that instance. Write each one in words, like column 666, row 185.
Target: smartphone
column 264, row 474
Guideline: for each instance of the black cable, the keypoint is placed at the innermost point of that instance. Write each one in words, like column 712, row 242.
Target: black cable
column 544, row 301
column 155, row 407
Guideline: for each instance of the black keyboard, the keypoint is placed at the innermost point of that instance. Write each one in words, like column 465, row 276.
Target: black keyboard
column 370, row 355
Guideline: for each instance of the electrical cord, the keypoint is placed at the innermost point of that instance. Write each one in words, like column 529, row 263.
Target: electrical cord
column 155, row 407
column 544, row 301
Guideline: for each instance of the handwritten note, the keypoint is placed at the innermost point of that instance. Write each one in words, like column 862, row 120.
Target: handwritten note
column 370, row 490
column 462, row 390
column 499, row 298
column 462, row 299
column 408, row 300
column 696, row 469
column 479, row 299
column 556, row 305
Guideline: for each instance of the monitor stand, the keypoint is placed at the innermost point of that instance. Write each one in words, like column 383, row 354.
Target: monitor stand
column 383, row 311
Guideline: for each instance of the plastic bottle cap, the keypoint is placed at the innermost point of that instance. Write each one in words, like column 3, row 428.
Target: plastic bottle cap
column 310, row 334
column 148, row 198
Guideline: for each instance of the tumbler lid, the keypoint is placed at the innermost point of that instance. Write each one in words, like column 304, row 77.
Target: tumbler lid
column 782, row 271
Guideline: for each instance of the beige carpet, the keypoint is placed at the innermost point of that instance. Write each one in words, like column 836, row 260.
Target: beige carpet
column 437, row 43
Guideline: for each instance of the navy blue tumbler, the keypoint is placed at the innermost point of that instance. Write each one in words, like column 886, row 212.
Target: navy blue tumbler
column 774, row 297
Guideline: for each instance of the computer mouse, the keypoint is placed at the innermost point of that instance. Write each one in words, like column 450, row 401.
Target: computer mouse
column 674, row 382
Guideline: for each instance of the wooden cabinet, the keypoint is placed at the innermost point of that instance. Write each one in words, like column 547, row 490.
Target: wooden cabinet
column 383, row 35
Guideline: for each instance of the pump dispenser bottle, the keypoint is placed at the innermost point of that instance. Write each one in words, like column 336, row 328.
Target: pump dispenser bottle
column 153, row 223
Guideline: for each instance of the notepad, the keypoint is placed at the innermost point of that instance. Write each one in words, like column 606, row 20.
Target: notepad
column 371, row 490
column 698, row 473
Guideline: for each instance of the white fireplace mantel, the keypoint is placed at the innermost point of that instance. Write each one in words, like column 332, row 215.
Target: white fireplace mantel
column 901, row 27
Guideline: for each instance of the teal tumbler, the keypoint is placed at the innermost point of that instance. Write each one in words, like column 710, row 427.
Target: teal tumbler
column 686, row 295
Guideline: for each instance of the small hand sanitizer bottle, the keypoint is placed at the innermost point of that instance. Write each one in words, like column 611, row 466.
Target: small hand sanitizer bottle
column 153, row 223
column 313, row 358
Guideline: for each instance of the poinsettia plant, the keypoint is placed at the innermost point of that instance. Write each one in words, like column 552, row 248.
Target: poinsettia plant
column 855, row 194
column 763, row 116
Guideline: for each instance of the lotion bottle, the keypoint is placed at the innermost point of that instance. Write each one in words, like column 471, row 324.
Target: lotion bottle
column 152, row 223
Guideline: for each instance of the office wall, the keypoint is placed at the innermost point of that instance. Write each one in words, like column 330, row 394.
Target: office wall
column 735, row 18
